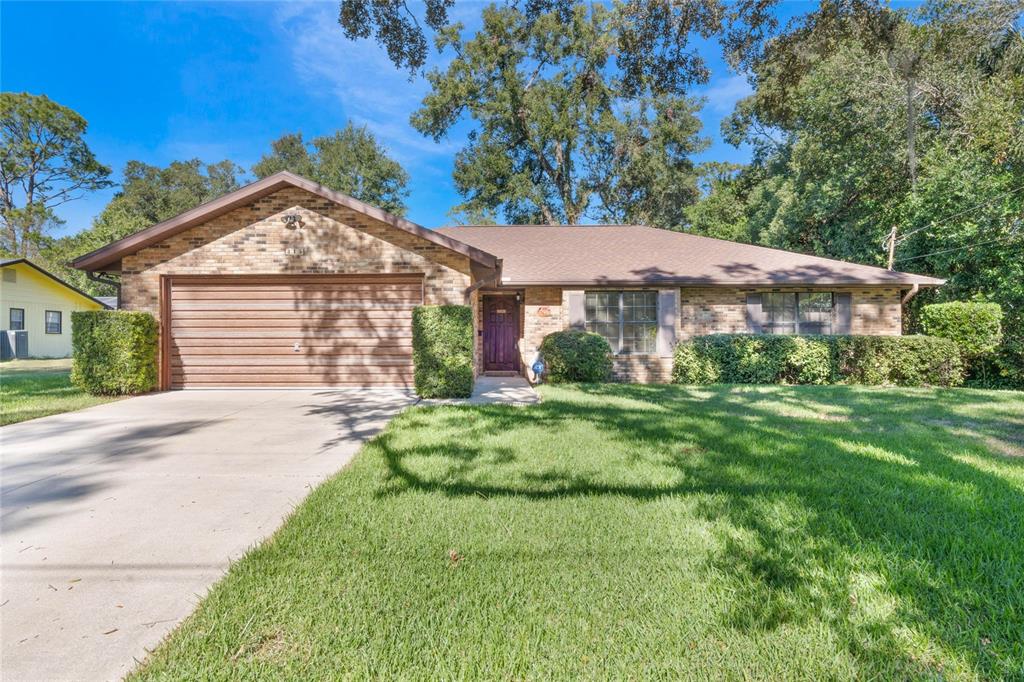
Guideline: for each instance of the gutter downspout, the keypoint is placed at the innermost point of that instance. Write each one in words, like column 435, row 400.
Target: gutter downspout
column 910, row 294
column 93, row 277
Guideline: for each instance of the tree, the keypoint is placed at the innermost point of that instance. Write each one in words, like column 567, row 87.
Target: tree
column 580, row 109
column 653, row 38
column 721, row 210
column 848, row 156
column 563, row 130
column 149, row 195
column 44, row 162
column 350, row 161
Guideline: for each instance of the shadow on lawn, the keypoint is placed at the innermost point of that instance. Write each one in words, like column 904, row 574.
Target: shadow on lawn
column 847, row 506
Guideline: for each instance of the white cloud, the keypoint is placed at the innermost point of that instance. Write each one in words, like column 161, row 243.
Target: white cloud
column 723, row 93
column 359, row 77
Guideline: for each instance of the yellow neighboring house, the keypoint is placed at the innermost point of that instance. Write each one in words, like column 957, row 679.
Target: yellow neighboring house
column 33, row 300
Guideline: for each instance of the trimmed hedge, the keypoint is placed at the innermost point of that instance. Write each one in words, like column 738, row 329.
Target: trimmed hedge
column 575, row 356
column 975, row 327
column 777, row 359
column 114, row 352
column 442, row 351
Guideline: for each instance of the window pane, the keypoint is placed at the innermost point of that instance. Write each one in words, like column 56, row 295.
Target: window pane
column 639, row 337
column 17, row 321
column 779, row 313
column 815, row 311
column 640, row 306
column 602, row 316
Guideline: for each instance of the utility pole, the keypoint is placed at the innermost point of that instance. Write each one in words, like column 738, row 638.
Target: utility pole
column 892, row 245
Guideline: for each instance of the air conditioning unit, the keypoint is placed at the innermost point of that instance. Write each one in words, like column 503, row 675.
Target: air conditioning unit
column 13, row 344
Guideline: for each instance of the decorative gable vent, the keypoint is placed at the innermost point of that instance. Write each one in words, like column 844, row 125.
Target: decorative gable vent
column 10, row 275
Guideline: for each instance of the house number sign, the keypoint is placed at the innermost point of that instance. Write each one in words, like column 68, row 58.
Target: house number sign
column 295, row 251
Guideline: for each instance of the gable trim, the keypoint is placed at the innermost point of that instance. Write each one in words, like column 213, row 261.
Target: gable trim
column 111, row 254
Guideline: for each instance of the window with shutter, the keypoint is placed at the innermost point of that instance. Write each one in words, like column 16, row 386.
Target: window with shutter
column 797, row 313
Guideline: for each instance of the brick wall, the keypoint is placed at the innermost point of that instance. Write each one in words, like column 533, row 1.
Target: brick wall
column 542, row 314
column 332, row 239
column 874, row 311
column 701, row 311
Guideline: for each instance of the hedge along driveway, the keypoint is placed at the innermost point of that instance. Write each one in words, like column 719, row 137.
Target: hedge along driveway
column 115, row 351
column 646, row 532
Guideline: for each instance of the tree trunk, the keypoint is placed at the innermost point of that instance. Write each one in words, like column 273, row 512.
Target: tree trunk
column 911, row 131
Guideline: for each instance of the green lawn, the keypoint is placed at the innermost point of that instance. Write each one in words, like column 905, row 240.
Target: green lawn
column 646, row 532
column 37, row 388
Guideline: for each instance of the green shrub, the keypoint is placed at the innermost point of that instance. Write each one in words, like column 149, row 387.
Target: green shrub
column 808, row 361
column 770, row 359
column 975, row 327
column 689, row 366
column 114, row 352
column 442, row 351
column 898, row 360
column 575, row 356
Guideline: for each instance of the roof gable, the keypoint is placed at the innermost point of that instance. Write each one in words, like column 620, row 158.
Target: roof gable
column 639, row 255
column 111, row 254
column 32, row 267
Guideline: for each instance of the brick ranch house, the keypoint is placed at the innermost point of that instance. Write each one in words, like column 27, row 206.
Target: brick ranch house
column 287, row 283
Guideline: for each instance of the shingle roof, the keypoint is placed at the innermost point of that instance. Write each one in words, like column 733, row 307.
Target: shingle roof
column 634, row 254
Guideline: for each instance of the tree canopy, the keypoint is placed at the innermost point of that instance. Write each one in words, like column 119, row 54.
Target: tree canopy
column 562, row 131
column 148, row 195
column 350, row 161
column 44, row 162
column 869, row 123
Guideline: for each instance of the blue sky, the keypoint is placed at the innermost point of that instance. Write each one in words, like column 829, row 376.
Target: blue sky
column 165, row 81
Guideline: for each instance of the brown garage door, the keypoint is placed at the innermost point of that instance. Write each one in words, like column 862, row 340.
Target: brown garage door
column 330, row 330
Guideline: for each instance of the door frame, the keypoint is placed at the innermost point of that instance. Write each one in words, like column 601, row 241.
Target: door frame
column 514, row 300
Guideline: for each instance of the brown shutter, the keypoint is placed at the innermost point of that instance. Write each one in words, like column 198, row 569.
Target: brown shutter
column 667, row 321
column 843, row 306
column 755, row 314
column 577, row 312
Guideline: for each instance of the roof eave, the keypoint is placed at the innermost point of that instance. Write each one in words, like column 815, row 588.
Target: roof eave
column 111, row 253
column 691, row 282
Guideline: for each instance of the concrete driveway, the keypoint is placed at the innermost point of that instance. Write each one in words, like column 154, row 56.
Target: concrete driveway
column 117, row 519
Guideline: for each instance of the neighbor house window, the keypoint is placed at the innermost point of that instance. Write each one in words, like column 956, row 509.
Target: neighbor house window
column 17, row 320
column 789, row 313
column 628, row 320
column 53, row 325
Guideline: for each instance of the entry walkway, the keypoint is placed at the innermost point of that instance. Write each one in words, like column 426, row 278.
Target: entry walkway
column 489, row 390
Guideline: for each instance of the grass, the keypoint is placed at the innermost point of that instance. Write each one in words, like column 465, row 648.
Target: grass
column 646, row 532
column 37, row 388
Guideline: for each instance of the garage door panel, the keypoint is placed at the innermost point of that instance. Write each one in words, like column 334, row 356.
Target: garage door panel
column 367, row 336
column 285, row 362
column 301, row 306
column 292, row 330
column 295, row 323
column 293, row 314
column 201, row 346
column 327, row 350
column 229, row 379
column 341, row 296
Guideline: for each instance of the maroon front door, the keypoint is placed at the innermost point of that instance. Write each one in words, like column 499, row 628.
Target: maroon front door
column 501, row 331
